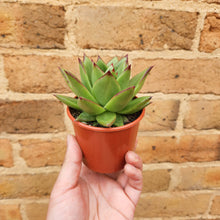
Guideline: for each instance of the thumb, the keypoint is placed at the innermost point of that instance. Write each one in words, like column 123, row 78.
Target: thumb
column 70, row 171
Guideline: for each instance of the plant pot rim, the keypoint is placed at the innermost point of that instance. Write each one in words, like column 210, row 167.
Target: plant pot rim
column 98, row 129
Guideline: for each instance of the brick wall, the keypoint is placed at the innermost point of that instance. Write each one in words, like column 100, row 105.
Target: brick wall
column 179, row 138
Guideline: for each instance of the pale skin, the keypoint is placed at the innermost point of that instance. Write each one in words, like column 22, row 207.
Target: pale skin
column 81, row 194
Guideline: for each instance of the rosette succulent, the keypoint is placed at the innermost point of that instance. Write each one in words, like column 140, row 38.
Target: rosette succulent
column 106, row 93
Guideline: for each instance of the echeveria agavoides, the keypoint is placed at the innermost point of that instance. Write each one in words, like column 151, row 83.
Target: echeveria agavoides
column 106, row 92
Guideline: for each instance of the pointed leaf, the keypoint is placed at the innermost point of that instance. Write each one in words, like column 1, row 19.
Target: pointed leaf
column 88, row 67
column 112, row 61
column 101, row 64
column 112, row 70
column 136, row 105
column 139, row 79
column 78, row 88
column 121, row 65
column 89, row 106
column 84, row 117
column 84, row 76
column 69, row 101
column 96, row 74
column 123, row 79
column 63, row 72
column 119, row 121
column 106, row 119
column 120, row 100
column 105, row 88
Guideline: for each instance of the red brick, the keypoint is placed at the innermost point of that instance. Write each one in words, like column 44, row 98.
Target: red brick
column 198, row 148
column 160, row 115
column 10, row 212
column 6, row 154
column 210, row 36
column 180, row 75
column 32, row 25
column 38, row 153
column 26, row 185
column 203, row 114
column 31, row 116
column 172, row 205
column 104, row 27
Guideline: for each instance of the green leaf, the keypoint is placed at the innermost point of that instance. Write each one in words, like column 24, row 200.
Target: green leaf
column 106, row 119
column 63, row 72
column 84, row 117
column 125, row 119
column 105, row 88
column 123, row 78
column 121, row 65
column 112, row 70
column 101, row 64
column 136, row 105
column 84, row 76
column 89, row 106
column 120, row 100
column 88, row 67
column 78, row 88
column 112, row 61
column 139, row 79
column 69, row 101
column 119, row 120
column 96, row 74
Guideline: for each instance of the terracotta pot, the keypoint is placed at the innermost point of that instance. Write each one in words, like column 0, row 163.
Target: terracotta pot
column 104, row 149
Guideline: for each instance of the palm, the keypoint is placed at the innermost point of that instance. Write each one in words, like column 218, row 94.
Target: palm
column 95, row 196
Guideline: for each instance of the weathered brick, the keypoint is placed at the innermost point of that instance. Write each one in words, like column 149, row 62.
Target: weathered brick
column 160, row 115
column 10, row 212
column 215, row 209
column 197, row 178
column 26, row 185
column 36, row 211
column 199, row 148
column 31, row 116
column 180, row 75
column 210, row 36
column 172, row 204
column 203, row 114
column 206, row 1
column 6, row 154
column 38, row 153
column 38, row 74
column 155, row 180
column 104, row 27
column 32, row 25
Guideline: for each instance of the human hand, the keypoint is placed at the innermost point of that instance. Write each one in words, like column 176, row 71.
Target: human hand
column 81, row 194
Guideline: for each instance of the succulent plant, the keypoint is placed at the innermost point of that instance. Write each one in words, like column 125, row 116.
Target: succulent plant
column 106, row 94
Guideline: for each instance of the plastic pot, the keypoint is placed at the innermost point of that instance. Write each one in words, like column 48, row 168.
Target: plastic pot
column 104, row 149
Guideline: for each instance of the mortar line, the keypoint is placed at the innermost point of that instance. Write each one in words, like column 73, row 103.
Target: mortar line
column 172, row 165
column 169, row 54
column 24, row 200
column 176, row 5
column 16, row 96
column 210, row 205
column 199, row 28
column 190, row 6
